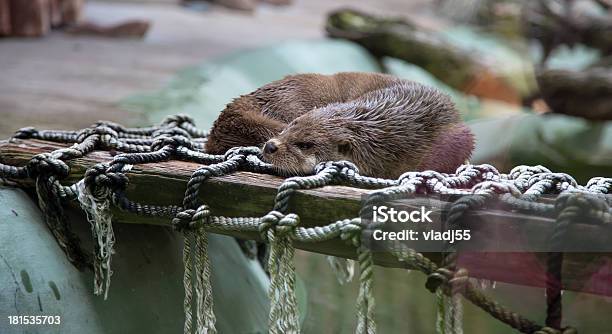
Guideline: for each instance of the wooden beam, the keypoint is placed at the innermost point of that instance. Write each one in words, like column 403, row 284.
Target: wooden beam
column 250, row 194
column 55, row 13
column 5, row 17
column 71, row 11
column 30, row 18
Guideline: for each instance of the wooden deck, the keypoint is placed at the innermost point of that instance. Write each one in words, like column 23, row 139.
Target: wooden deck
column 66, row 82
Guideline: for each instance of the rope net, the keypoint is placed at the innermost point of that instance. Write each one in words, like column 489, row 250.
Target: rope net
column 177, row 138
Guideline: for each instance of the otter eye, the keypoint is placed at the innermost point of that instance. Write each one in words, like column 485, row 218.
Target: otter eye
column 304, row 145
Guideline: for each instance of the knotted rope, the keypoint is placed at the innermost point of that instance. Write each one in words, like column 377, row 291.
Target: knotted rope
column 193, row 223
column 178, row 138
column 47, row 169
column 366, row 323
column 94, row 196
column 276, row 228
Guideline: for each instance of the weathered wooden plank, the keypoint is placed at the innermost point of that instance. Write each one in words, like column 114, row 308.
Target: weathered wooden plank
column 254, row 192
column 71, row 10
column 30, row 18
column 5, row 17
column 55, row 13
column 250, row 194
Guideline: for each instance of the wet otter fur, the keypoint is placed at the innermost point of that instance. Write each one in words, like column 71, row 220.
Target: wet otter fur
column 386, row 126
column 252, row 119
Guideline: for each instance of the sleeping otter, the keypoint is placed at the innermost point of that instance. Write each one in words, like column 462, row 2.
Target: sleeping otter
column 386, row 126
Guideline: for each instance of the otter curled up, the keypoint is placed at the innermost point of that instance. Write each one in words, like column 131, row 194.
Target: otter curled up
column 386, row 126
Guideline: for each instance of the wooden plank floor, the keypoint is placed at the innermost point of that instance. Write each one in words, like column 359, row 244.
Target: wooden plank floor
column 66, row 82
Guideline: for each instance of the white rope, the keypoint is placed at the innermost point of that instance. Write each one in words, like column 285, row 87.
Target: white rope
column 343, row 269
column 204, row 304
column 99, row 216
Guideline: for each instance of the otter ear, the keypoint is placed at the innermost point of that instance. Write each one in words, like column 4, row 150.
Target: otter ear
column 345, row 148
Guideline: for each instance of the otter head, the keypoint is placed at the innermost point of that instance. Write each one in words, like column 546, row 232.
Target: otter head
column 306, row 142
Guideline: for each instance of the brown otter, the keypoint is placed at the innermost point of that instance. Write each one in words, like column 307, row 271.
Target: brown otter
column 252, row 119
column 384, row 125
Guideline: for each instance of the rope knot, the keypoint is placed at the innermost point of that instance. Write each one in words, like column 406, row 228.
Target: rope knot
column 351, row 232
column 47, row 164
column 494, row 187
column 276, row 228
column 549, row 330
column 342, row 166
column 486, row 168
column 242, row 152
column 287, row 224
column 94, row 171
column 191, row 219
column 522, row 171
column 584, row 203
column 477, row 173
column 173, row 141
column 105, row 132
column 460, row 281
column 174, row 131
column 421, row 178
column 100, row 176
column 560, row 180
column 183, row 220
column 438, row 278
column 178, row 120
column 282, row 225
column 600, row 184
column 25, row 133
column 478, row 169
column 414, row 178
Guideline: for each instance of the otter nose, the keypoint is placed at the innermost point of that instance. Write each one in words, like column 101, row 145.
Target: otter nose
column 270, row 148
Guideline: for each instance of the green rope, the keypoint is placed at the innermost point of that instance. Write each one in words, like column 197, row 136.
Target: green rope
column 187, row 281
column 365, row 301
column 284, row 314
column 442, row 305
column 204, row 304
column 418, row 261
column 351, row 233
column 456, row 314
column 197, row 267
column 458, row 285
